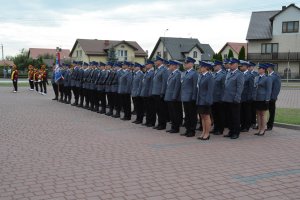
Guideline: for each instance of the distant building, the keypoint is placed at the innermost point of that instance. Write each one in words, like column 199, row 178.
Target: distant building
column 98, row 50
column 179, row 48
column 6, row 63
column 48, row 55
column 235, row 47
column 273, row 36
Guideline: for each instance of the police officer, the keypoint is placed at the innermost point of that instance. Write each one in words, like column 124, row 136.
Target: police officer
column 54, row 85
column 234, row 84
column 253, row 109
column 276, row 85
column 102, row 77
column 67, row 84
column 73, row 83
column 124, row 90
column 117, row 67
column 136, row 93
column 158, row 92
column 246, row 98
column 262, row 96
column 218, row 114
column 93, row 88
column 205, row 89
column 108, row 88
column 146, row 93
column 172, row 96
column 79, row 83
column 86, row 85
column 188, row 96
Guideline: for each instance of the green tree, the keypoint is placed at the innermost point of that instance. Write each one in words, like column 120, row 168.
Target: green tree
column 242, row 53
column 112, row 55
column 230, row 54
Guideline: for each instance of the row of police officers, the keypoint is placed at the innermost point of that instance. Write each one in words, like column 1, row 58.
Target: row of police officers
column 229, row 94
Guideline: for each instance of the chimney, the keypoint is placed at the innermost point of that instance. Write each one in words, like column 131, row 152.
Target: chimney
column 283, row 7
column 106, row 42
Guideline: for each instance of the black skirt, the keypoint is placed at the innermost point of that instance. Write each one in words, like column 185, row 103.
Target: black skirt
column 261, row 105
column 204, row 110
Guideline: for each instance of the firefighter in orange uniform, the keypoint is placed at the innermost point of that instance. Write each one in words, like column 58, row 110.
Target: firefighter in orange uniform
column 30, row 77
column 36, row 79
column 43, row 79
column 14, row 78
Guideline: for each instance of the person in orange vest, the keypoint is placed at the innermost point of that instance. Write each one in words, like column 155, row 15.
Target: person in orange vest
column 36, row 79
column 14, row 78
column 43, row 80
column 30, row 77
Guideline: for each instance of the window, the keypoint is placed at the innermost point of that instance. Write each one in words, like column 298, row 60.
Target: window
column 195, row 54
column 269, row 48
column 225, row 55
column 165, row 55
column 80, row 53
column 158, row 53
column 76, row 53
column 290, row 27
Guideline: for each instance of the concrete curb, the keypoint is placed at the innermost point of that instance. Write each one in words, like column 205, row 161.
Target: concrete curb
column 288, row 126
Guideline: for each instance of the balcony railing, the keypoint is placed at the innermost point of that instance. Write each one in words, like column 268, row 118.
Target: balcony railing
column 285, row 56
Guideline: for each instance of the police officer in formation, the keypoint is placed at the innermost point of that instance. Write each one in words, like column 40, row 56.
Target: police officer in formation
column 233, row 90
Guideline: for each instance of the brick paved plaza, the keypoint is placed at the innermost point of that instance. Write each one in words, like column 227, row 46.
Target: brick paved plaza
column 51, row 150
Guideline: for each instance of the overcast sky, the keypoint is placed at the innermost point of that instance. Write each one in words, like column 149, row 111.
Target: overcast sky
column 48, row 24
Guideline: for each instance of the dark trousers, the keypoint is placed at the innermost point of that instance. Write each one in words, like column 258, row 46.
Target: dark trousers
column 86, row 97
column 117, row 102
column 175, row 113
column 233, row 110
column 67, row 93
column 102, row 99
column 111, row 100
column 139, row 108
column 81, row 95
column 75, row 94
column 218, row 116
column 44, row 86
column 126, row 105
column 61, row 91
column 253, row 113
column 246, row 115
column 160, row 109
column 41, row 87
column 31, row 85
column 190, row 111
column 55, row 89
column 36, row 85
column 150, row 112
column 272, row 108
column 94, row 99
column 15, row 84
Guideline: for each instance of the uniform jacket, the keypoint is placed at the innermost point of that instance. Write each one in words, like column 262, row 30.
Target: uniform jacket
column 73, row 76
column 102, row 77
column 205, row 89
column 94, row 76
column 160, row 81
column 173, row 87
column 219, row 79
column 110, row 78
column 147, row 82
column 125, row 82
column 248, row 87
column 276, row 85
column 137, row 83
column 234, row 85
column 263, row 88
column 189, row 86
column 67, row 78
column 115, row 81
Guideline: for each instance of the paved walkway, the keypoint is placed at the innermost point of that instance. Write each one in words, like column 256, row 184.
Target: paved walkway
column 51, row 150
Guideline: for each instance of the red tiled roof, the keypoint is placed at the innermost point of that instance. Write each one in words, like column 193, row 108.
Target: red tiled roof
column 6, row 63
column 36, row 52
column 235, row 46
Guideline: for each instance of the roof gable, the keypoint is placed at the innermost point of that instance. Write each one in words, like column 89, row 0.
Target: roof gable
column 176, row 47
column 100, row 47
column 283, row 10
column 235, row 46
column 36, row 52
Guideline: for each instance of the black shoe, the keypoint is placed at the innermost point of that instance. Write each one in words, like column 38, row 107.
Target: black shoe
column 161, row 128
column 227, row 135
column 116, row 116
column 262, row 134
column 155, row 127
column 149, row 125
column 109, row 114
column 55, row 99
column 174, row 131
column 269, row 129
column 168, row 131
column 138, row 122
column 244, row 130
column 218, row 133
column 183, row 134
column 190, row 135
column 135, row 121
column 202, row 138
column 144, row 124
column 234, row 136
column 126, row 119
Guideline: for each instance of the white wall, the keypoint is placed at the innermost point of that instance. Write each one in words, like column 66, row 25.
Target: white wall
column 160, row 49
column 290, row 14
